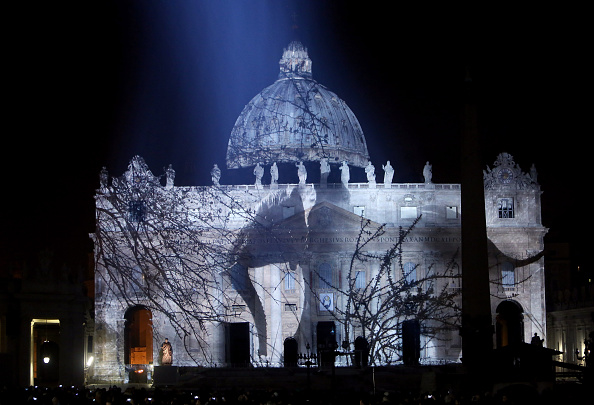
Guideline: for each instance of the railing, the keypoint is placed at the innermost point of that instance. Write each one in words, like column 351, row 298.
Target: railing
column 364, row 185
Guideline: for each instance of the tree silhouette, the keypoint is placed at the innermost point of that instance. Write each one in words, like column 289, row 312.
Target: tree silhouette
column 185, row 253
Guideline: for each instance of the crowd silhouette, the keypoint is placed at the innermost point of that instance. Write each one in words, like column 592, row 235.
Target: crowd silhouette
column 569, row 393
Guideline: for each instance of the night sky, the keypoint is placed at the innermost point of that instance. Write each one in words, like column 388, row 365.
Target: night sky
column 93, row 84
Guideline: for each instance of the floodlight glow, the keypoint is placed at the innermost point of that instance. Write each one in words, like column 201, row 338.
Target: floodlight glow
column 90, row 361
column 46, row 359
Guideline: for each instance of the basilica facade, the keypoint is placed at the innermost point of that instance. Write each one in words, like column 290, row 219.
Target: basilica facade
column 258, row 274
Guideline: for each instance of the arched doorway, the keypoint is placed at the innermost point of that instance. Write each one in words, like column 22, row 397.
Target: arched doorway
column 138, row 342
column 510, row 323
column 290, row 352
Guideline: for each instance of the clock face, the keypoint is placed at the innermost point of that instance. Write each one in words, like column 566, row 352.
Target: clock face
column 505, row 175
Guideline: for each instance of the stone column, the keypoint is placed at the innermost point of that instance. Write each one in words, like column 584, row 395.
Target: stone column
column 276, row 323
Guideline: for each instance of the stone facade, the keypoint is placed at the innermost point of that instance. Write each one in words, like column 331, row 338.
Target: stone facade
column 301, row 229
column 254, row 274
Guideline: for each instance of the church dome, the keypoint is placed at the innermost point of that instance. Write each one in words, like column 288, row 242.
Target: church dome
column 296, row 119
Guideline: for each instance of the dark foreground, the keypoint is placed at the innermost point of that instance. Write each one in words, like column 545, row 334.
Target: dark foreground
column 270, row 386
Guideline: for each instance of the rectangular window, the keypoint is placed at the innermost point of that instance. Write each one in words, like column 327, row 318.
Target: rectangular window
column 359, row 210
column 508, row 276
column 325, row 276
column 360, row 280
column 410, row 273
column 136, row 211
column 506, row 208
column 408, row 212
column 290, row 280
column 138, row 280
column 98, row 285
column 290, row 307
column 451, row 212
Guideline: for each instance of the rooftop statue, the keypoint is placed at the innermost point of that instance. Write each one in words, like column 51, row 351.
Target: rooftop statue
column 302, row 173
column 345, row 173
column 388, row 174
column 215, row 174
column 370, row 171
column 259, row 173
column 324, row 171
column 170, row 176
column 273, row 175
column 533, row 173
column 427, row 172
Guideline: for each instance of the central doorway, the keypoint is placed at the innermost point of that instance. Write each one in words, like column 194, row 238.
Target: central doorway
column 326, row 334
column 237, row 344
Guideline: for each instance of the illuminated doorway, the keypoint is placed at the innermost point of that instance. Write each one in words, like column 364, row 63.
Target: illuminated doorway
column 510, row 324
column 138, row 343
column 45, row 352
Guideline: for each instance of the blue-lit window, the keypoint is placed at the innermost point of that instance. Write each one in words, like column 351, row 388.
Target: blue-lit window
column 506, row 208
column 325, row 276
column 410, row 272
column 508, row 276
column 359, row 210
column 360, row 279
column 290, row 280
